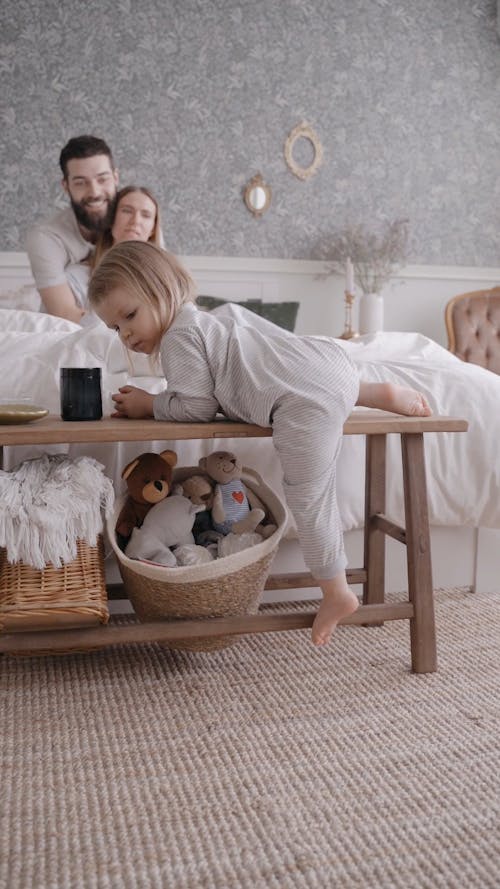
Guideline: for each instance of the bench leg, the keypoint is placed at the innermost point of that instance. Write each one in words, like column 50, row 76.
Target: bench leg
column 374, row 539
column 420, row 592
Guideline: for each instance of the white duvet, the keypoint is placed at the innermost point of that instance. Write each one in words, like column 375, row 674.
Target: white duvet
column 463, row 469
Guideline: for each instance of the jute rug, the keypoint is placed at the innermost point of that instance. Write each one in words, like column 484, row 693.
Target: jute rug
column 270, row 764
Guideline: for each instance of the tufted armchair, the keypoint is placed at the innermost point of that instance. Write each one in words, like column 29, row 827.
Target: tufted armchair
column 473, row 327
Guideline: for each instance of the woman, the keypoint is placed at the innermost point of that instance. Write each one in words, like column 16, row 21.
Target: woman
column 136, row 218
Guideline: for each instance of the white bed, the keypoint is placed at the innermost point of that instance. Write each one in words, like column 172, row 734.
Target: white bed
column 463, row 469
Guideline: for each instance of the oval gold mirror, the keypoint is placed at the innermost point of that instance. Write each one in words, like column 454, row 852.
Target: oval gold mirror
column 303, row 132
column 257, row 195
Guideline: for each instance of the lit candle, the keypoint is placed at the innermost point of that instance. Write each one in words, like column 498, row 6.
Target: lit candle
column 349, row 276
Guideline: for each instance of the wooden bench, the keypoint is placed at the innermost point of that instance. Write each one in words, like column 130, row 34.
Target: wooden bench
column 376, row 425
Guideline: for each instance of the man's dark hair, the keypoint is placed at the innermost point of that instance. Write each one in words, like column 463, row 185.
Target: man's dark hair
column 83, row 146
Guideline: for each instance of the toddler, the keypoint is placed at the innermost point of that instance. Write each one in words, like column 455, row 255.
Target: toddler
column 303, row 387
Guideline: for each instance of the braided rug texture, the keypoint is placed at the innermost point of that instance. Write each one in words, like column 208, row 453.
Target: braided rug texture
column 269, row 764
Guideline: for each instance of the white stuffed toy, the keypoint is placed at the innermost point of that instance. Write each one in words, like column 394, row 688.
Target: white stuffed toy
column 168, row 524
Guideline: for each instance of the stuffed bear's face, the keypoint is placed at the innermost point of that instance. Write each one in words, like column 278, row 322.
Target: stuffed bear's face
column 199, row 490
column 222, row 466
column 149, row 477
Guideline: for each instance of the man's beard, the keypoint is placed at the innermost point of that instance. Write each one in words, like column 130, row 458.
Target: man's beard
column 90, row 221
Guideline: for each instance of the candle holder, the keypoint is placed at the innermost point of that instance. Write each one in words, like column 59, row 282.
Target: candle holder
column 349, row 333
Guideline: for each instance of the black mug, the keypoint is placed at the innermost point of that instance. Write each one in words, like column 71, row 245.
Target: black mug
column 81, row 397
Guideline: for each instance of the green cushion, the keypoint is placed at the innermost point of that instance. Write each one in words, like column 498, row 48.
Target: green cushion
column 282, row 314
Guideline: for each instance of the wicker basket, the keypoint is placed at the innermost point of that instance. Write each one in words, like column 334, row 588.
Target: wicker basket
column 54, row 598
column 231, row 585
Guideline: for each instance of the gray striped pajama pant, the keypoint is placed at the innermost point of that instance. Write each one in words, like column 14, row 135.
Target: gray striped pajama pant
column 307, row 434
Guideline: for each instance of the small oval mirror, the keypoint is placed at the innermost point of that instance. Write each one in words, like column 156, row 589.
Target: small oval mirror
column 257, row 198
column 257, row 195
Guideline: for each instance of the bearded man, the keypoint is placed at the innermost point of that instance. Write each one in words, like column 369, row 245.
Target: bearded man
column 90, row 179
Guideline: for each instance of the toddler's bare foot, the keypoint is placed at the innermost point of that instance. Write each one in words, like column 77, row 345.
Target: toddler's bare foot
column 407, row 401
column 397, row 399
column 332, row 610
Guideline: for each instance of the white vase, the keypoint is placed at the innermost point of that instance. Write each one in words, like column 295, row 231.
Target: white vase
column 371, row 313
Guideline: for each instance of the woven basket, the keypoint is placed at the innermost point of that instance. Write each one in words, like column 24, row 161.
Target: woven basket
column 231, row 585
column 54, row 598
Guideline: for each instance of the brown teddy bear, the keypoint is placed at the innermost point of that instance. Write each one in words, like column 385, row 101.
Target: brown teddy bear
column 235, row 507
column 149, row 479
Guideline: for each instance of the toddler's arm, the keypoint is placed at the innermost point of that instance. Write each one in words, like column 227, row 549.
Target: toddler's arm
column 180, row 407
column 133, row 402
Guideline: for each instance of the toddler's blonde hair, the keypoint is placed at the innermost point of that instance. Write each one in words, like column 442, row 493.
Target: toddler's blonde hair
column 144, row 270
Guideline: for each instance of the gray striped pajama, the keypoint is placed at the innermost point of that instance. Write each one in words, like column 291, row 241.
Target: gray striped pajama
column 304, row 387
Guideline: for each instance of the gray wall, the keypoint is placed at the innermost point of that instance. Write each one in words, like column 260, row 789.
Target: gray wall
column 195, row 96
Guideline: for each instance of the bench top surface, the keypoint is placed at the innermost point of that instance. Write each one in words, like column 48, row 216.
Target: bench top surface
column 53, row 430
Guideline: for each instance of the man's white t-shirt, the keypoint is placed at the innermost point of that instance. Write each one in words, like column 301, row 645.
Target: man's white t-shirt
column 54, row 244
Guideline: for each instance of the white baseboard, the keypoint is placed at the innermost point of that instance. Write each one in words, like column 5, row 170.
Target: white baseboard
column 487, row 573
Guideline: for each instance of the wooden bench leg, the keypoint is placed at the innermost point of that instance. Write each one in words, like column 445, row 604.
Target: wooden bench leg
column 374, row 539
column 420, row 592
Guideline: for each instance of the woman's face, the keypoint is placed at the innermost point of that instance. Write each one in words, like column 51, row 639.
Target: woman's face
column 135, row 218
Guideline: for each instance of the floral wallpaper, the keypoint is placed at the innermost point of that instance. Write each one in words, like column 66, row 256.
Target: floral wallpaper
column 196, row 96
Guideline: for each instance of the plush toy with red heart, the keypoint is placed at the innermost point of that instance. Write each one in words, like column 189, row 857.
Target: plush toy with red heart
column 235, row 507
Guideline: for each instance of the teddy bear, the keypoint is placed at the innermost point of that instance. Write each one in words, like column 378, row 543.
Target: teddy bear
column 149, row 480
column 235, row 508
column 167, row 525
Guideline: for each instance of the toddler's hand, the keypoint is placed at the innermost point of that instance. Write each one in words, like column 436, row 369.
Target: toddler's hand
column 133, row 402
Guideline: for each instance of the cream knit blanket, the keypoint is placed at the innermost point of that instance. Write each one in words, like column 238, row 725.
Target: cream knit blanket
column 47, row 504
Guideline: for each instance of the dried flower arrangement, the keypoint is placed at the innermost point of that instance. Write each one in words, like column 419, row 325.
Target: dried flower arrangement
column 375, row 256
